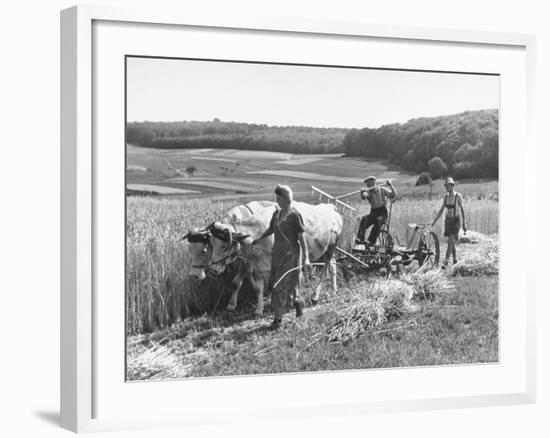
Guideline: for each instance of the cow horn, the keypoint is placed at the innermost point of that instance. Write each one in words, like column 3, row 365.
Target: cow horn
column 229, row 236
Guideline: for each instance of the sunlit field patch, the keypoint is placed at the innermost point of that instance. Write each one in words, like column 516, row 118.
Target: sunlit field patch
column 300, row 161
column 304, row 175
column 161, row 190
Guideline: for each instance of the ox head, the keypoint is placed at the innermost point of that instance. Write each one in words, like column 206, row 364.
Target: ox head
column 225, row 245
column 201, row 252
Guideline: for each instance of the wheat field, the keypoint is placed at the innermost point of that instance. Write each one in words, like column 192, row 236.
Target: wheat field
column 158, row 290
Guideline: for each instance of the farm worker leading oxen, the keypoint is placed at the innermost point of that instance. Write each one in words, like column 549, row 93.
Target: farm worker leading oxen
column 287, row 225
column 323, row 228
column 200, row 250
column 451, row 201
column 376, row 195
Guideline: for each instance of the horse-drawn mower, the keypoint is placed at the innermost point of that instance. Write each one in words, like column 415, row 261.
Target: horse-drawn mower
column 386, row 256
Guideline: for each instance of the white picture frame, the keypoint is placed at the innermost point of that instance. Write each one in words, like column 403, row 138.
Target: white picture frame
column 83, row 370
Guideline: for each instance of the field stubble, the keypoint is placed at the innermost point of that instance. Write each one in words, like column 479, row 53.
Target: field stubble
column 366, row 325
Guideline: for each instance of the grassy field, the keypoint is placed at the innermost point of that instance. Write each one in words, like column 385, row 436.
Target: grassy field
column 177, row 327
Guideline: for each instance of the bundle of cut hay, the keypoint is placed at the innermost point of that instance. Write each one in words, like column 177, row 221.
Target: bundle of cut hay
column 428, row 283
column 156, row 362
column 473, row 237
column 373, row 305
column 355, row 320
column 481, row 261
column 395, row 297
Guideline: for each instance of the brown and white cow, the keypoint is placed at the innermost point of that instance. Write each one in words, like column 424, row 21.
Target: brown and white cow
column 200, row 249
column 232, row 241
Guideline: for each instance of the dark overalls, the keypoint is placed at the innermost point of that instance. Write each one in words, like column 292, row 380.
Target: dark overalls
column 285, row 256
column 452, row 222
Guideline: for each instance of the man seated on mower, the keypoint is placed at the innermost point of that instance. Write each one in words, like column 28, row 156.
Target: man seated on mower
column 376, row 195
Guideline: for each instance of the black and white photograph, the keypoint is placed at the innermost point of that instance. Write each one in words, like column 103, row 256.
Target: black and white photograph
column 285, row 218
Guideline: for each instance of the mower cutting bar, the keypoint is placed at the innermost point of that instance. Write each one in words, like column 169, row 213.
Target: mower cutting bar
column 351, row 256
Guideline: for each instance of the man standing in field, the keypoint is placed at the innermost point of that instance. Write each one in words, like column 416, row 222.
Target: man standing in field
column 376, row 195
column 452, row 202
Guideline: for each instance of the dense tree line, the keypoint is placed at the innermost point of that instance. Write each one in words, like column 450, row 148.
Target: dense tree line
column 463, row 145
column 233, row 135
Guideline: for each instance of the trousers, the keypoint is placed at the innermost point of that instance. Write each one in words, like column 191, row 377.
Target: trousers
column 375, row 218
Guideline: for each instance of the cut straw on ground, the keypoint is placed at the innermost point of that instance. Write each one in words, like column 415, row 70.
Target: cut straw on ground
column 478, row 255
column 362, row 309
column 377, row 303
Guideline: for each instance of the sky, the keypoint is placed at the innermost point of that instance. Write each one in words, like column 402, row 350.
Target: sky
column 176, row 89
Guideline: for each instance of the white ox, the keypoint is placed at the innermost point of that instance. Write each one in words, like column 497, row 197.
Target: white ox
column 232, row 241
column 200, row 249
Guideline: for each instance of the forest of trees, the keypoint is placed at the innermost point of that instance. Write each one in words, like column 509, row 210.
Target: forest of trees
column 233, row 135
column 462, row 145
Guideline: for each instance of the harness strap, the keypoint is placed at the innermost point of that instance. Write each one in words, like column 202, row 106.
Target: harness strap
column 278, row 223
column 249, row 209
column 453, row 206
column 223, row 259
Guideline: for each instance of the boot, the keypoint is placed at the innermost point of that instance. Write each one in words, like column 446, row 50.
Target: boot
column 276, row 324
column 299, row 308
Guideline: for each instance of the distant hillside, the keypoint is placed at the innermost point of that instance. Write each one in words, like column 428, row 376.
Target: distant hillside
column 462, row 145
column 231, row 135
